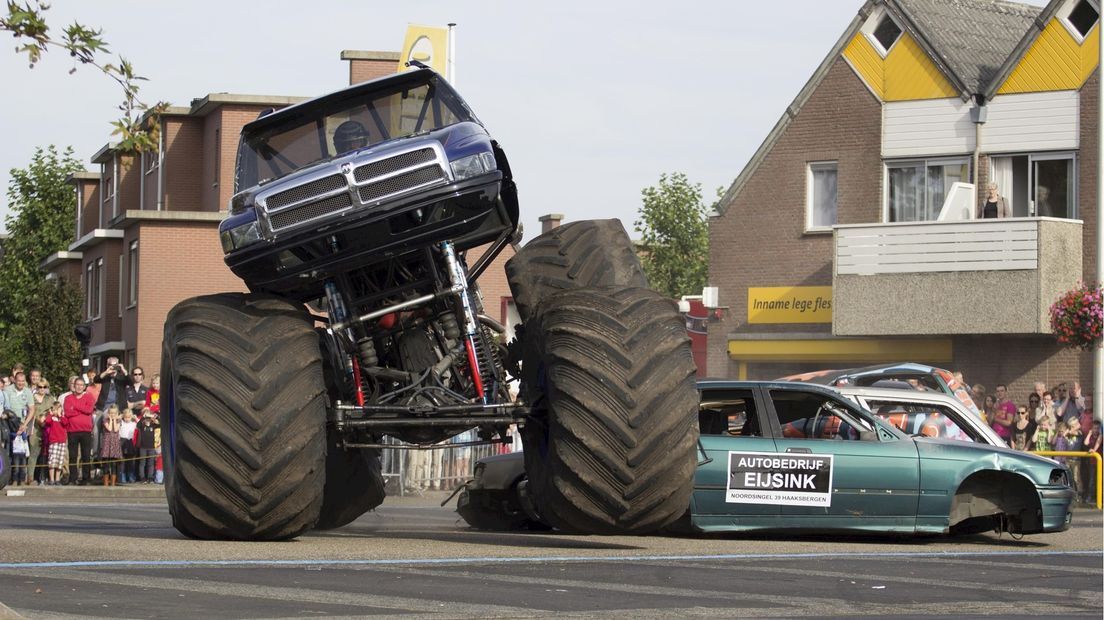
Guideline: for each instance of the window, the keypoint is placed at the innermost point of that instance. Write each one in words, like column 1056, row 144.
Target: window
column 929, row 420
column 150, row 161
column 916, row 190
column 107, row 184
column 1081, row 18
column 119, row 285
column 887, row 32
column 217, row 157
column 132, row 264
column 94, row 288
column 728, row 412
column 1038, row 184
column 804, row 415
column 821, row 209
column 881, row 30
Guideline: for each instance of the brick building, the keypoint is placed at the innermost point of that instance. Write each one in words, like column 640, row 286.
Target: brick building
column 146, row 233
column 852, row 236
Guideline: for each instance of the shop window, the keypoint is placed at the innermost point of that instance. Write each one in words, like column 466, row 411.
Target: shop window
column 917, row 189
column 1037, row 184
column 821, row 207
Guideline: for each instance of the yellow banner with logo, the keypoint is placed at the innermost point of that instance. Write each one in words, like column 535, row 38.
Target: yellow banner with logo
column 790, row 304
column 426, row 44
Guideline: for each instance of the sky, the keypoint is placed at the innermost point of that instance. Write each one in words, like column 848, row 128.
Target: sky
column 592, row 101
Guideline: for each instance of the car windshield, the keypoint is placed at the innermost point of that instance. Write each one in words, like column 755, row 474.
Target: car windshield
column 344, row 122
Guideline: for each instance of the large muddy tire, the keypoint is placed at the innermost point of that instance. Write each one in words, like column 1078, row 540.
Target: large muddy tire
column 583, row 254
column 354, row 484
column 609, row 445
column 244, row 407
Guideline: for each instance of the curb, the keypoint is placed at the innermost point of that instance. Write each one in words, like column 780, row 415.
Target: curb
column 133, row 491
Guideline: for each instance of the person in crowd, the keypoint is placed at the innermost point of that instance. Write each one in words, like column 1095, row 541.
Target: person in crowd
column 111, row 450
column 989, row 409
column 1034, row 402
column 16, row 368
column 978, row 392
column 1068, row 402
column 128, row 426
column 994, row 205
column 1004, row 414
column 19, row 451
column 153, row 396
column 1044, row 436
column 78, row 408
column 40, row 404
column 113, row 384
column 68, row 391
column 136, row 390
column 56, row 443
column 1075, row 443
column 1046, row 409
column 91, row 386
column 1092, row 443
column 18, row 395
column 147, row 447
column 1021, row 431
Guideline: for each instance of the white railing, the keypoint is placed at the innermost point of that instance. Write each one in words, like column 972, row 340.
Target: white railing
column 925, row 247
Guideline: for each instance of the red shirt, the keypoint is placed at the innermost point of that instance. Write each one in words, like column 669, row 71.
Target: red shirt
column 78, row 412
column 55, row 431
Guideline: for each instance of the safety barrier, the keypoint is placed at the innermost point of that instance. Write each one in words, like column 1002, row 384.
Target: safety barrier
column 1094, row 456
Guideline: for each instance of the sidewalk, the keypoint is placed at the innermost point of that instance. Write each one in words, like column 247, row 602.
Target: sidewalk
column 123, row 492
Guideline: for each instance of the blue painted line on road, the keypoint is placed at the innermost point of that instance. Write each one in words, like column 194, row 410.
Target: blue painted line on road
column 518, row 560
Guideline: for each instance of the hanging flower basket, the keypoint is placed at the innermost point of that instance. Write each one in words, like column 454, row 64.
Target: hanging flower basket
column 1077, row 318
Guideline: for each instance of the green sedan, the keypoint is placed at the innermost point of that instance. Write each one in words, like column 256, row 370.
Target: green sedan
column 797, row 456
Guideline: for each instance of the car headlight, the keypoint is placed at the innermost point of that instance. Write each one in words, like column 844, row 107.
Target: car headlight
column 240, row 236
column 472, row 165
column 1059, row 477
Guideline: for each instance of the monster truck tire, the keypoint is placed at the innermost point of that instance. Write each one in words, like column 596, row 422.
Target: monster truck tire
column 609, row 444
column 245, row 413
column 354, row 484
column 584, row 254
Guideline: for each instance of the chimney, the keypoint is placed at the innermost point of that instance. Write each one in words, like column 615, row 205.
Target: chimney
column 364, row 66
column 550, row 221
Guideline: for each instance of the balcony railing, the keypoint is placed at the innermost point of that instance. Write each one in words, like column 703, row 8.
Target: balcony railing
column 972, row 277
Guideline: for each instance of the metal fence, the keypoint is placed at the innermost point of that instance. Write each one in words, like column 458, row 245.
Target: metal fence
column 439, row 468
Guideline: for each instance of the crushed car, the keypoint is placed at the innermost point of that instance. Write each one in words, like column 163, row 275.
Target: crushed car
column 901, row 375
column 804, row 457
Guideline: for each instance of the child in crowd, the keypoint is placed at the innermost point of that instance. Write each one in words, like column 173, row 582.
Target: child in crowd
column 128, row 427
column 111, row 450
column 153, row 396
column 1092, row 443
column 1074, row 443
column 147, row 446
column 57, row 438
column 1044, row 435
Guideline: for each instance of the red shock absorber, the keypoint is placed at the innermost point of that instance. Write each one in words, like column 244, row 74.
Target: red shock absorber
column 474, row 364
column 359, row 383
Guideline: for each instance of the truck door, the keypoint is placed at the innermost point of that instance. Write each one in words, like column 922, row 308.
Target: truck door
column 873, row 474
column 731, row 421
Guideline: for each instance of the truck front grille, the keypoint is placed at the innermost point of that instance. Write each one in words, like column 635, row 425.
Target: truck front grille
column 372, row 182
column 311, row 211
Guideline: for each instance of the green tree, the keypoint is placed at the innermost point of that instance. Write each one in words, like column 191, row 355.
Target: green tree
column 673, row 229
column 27, row 24
column 49, row 343
column 42, row 212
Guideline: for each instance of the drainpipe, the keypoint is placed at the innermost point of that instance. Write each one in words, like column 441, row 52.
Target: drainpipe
column 160, row 165
column 450, row 63
column 978, row 114
column 1098, row 353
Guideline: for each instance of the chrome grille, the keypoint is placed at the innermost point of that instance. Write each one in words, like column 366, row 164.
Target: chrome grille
column 305, row 192
column 400, row 182
column 307, row 212
column 386, row 166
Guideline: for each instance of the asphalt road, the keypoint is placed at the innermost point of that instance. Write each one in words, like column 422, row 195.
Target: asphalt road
column 412, row 558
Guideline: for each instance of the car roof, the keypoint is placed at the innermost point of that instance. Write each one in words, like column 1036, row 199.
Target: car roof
column 928, row 396
column 734, row 384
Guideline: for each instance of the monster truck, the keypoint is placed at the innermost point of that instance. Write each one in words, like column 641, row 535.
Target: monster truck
column 360, row 223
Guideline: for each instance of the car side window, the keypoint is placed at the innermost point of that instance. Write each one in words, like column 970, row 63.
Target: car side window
column 930, row 420
column 729, row 413
column 805, row 415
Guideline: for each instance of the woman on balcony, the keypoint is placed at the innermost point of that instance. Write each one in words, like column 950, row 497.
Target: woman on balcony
column 994, row 206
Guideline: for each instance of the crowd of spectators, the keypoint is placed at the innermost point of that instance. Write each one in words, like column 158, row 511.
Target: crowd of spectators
column 103, row 428
column 1052, row 419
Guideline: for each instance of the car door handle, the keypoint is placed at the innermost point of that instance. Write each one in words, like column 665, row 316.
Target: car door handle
column 799, row 450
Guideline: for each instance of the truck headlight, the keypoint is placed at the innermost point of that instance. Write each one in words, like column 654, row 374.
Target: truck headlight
column 240, row 236
column 472, row 165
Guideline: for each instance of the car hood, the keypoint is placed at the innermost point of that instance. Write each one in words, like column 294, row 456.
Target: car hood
column 950, row 448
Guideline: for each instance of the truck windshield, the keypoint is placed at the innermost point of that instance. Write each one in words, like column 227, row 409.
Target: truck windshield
column 342, row 123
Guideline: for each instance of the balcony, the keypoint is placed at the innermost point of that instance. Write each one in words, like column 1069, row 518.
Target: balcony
column 972, row 277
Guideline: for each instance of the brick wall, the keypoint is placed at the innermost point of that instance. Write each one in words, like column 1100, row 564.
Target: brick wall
column 130, row 175
column 1018, row 362
column 492, row 284
column 1087, row 181
column 108, row 327
column 364, row 69
column 760, row 238
column 89, row 206
column 183, row 164
column 176, row 260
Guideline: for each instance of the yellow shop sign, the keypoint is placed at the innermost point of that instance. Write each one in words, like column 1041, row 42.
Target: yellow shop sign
column 790, row 304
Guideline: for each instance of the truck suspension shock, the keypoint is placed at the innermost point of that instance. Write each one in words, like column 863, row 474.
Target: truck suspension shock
column 470, row 326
